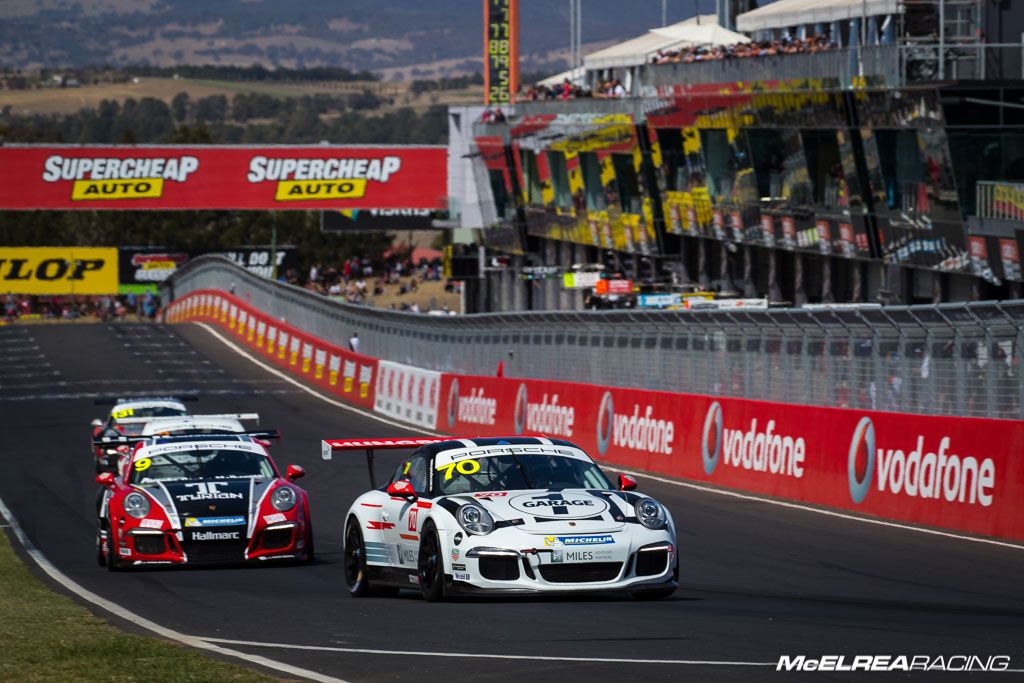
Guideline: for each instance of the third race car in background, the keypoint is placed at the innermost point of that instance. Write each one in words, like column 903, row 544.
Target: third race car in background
column 123, row 420
column 504, row 515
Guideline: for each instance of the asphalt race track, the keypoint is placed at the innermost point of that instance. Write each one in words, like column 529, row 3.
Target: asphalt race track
column 759, row 580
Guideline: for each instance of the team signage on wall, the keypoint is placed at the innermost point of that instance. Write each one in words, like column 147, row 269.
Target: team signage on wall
column 42, row 177
column 142, row 269
column 58, row 270
column 346, row 220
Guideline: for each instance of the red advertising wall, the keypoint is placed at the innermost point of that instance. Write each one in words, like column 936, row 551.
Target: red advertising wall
column 211, row 177
column 965, row 474
column 958, row 473
column 328, row 366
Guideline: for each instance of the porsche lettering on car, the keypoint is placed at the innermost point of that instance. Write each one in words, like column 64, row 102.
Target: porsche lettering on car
column 210, row 498
column 504, row 515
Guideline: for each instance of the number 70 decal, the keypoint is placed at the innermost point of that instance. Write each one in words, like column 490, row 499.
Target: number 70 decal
column 462, row 467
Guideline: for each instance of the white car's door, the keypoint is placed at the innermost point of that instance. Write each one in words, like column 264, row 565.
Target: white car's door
column 401, row 516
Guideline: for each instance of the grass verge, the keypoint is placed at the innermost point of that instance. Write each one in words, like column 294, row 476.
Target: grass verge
column 48, row 637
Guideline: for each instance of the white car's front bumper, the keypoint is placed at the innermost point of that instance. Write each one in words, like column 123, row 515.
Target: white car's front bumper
column 512, row 561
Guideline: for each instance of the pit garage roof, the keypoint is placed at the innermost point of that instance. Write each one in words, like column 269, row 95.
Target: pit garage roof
column 786, row 13
column 689, row 33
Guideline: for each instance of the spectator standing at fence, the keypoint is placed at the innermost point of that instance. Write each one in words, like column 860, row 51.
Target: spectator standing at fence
column 149, row 306
column 353, row 343
column 10, row 308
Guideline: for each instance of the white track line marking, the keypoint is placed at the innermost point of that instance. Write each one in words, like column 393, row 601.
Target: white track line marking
column 192, row 641
column 665, row 480
column 477, row 655
column 309, row 390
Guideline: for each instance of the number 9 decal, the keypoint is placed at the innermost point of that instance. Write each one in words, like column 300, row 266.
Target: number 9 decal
column 463, row 467
column 142, row 464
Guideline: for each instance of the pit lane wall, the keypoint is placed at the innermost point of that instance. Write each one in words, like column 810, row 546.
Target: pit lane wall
column 963, row 474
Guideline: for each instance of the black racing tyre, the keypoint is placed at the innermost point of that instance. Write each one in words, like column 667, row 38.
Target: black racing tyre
column 357, row 579
column 101, row 560
column 431, row 565
column 113, row 564
column 310, row 550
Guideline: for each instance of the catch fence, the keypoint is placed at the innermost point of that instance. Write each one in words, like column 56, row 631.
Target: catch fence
column 948, row 359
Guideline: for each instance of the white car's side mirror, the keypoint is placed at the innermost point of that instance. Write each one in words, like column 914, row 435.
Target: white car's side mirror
column 97, row 423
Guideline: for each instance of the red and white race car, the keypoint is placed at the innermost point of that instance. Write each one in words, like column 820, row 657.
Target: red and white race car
column 202, row 499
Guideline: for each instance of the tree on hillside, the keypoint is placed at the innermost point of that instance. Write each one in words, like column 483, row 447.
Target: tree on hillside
column 198, row 134
column 179, row 106
column 211, row 109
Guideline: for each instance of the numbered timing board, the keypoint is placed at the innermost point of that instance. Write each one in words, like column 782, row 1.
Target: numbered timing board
column 501, row 50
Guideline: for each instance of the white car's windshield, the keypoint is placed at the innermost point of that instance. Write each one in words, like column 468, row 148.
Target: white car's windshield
column 147, row 411
column 525, row 471
column 200, row 465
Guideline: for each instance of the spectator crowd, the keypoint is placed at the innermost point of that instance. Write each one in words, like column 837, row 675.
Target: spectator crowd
column 709, row 53
column 356, row 281
column 22, row 306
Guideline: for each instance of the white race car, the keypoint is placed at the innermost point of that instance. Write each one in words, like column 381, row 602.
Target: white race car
column 503, row 515
column 128, row 417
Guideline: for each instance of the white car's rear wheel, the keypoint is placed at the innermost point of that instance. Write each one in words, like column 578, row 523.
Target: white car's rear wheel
column 357, row 577
column 431, row 565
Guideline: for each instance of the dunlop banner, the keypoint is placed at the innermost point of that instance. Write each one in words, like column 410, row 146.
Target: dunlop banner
column 58, row 270
column 260, row 178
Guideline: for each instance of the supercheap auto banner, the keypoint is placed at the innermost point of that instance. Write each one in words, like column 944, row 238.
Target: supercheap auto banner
column 58, row 270
column 956, row 473
column 188, row 177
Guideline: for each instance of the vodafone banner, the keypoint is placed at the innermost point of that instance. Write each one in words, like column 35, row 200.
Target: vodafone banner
column 958, row 473
column 213, row 177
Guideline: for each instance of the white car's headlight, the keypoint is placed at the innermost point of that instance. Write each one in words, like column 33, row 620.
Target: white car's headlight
column 283, row 498
column 650, row 513
column 136, row 505
column 475, row 519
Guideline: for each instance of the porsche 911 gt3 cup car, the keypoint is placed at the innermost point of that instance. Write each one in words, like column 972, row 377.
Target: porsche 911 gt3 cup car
column 190, row 425
column 504, row 515
column 202, row 499
column 123, row 419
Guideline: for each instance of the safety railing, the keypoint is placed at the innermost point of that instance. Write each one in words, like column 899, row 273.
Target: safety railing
column 997, row 199
column 950, row 359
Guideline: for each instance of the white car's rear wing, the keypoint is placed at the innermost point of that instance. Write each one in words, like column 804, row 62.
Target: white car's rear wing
column 179, row 418
column 329, row 446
